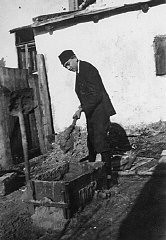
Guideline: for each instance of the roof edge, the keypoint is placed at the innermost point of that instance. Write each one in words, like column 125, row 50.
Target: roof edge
column 20, row 28
column 93, row 15
column 99, row 13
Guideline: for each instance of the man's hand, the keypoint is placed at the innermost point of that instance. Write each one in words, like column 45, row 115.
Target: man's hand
column 77, row 114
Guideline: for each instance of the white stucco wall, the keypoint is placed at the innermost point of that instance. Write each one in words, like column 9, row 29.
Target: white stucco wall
column 121, row 47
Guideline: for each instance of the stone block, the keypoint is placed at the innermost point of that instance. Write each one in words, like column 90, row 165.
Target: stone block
column 163, row 153
column 49, row 218
column 7, row 183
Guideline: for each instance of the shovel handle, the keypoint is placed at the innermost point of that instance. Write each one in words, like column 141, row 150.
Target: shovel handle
column 24, row 145
column 74, row 121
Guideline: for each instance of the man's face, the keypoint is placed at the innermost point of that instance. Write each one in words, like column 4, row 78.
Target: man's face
column 72, row 64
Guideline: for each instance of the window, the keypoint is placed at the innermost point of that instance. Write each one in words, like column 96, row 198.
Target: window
column 160, row 55
column 26, row 49
column 27, row 57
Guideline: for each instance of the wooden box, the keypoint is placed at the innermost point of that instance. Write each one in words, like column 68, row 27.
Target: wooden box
column 57, row 201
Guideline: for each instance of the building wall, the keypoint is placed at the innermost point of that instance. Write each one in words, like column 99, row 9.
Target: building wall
column 121, row 47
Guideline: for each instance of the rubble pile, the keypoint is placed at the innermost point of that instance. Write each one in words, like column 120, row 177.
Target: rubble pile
column 102, row 218
column 146, row 141
column 78, row 147
column 55, row 164
column 149, row 140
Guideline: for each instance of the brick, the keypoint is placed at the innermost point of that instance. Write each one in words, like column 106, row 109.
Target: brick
column 6, row 183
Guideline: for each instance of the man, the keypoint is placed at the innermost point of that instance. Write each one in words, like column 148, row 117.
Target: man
column 95, row 103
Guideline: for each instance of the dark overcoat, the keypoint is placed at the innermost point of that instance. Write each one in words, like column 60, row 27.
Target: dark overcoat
column 95, row 102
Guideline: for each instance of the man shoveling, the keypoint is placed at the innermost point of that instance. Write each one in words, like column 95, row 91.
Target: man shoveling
column 96, row 105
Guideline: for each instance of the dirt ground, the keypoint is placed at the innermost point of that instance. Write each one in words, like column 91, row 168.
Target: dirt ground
column 135, row 209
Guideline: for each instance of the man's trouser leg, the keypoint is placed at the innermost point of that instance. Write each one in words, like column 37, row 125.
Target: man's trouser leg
column 110, row 175
column 100, row 124
column 90, row 142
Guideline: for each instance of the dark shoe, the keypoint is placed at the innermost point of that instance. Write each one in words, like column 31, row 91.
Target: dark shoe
column 102, row 183
column 111, row 181
column 106, row 157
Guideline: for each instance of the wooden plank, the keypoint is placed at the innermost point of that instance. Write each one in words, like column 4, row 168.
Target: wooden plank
column 152, row 168
column 33, row 83
column 5, row 79
column 10, row 79
column 48, row 204
column 52, row 190
column 33, row 130
column 129, row 173
column 22, row 59
column 34, row 61
column 139, row 164
column 5, row 150
column 45, row 99
column 13, row 78
column 147, row 173
column 159, row 173
column 20, row 79
column 126, row 173
column 23, row 78
column 26, row 56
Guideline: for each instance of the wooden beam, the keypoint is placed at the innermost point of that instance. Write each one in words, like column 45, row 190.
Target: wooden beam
column 45, row 99
column 33, row 83
column 75, row 17
column 5, row 150
column 139, row 164
column 26, row 56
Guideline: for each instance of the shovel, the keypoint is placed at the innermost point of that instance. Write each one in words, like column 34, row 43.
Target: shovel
column 67, row 140
column 21, row 103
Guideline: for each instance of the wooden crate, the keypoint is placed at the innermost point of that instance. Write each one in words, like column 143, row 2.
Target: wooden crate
column 63, row 198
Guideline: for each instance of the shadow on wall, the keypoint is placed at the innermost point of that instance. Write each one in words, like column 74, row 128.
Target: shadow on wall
column 147, row 219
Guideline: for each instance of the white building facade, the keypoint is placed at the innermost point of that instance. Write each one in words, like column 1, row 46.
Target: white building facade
column 122, row 49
